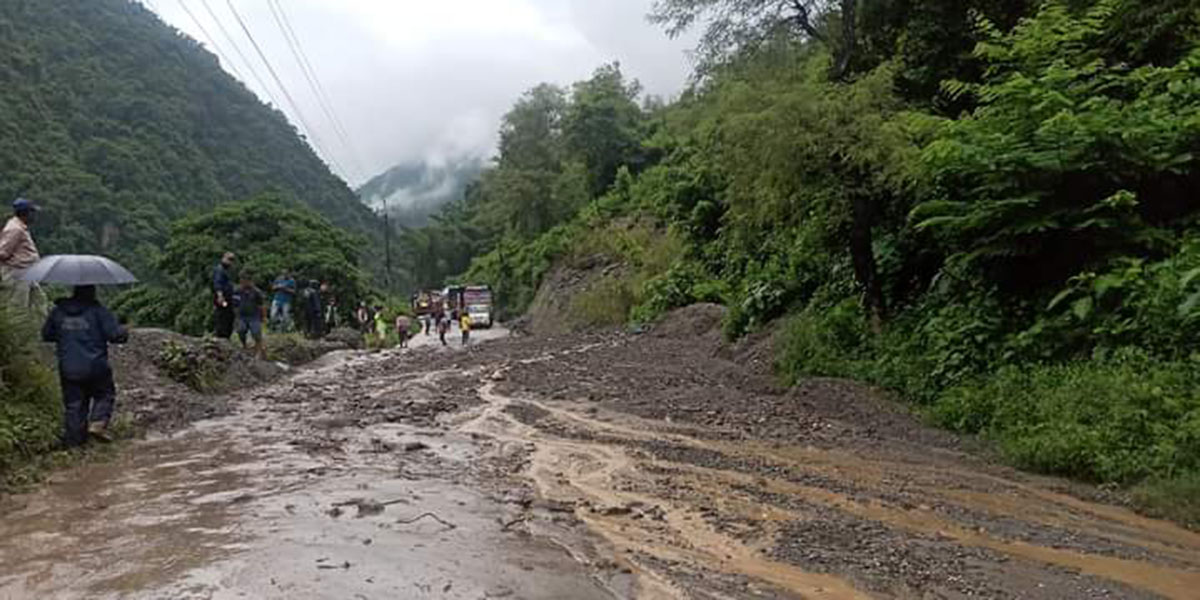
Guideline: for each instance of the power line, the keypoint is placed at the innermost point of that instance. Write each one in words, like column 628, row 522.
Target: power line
column 210, row 39
column 337, row 121
column 296, row 107
column 310, row 74
column 238, row 49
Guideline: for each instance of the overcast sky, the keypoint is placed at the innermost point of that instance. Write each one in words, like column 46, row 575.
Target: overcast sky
column 413, row 79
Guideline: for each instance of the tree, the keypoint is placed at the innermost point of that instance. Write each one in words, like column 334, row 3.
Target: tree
column 531, row 132
column 603, row 125
column 270, row 236
column 737, row 26
column 1073, row 155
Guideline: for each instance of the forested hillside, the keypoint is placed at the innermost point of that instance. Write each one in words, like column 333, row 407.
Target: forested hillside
column 985, row 206
column 119, row 125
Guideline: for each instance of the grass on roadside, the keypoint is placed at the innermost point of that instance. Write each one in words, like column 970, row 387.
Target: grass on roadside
column 30, row 405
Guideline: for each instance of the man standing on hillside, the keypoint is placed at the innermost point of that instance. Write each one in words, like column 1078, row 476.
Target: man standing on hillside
column 250, row 308
column 222, row 285
column 312, row 309
column 17, row 253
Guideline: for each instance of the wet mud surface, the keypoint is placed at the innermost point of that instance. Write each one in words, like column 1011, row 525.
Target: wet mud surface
column 592, row 467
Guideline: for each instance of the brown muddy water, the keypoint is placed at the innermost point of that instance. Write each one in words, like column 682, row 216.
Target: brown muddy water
column 429, row 474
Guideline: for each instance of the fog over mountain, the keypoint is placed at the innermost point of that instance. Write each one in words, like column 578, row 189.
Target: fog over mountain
column 413, row 191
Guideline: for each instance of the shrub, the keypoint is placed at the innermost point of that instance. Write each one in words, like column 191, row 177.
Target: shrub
column 1172, row 498
column 1120, row 419
column 198, row 366
column 31, row 411
column 684, row 284
column 606, row 303
column 825, row 343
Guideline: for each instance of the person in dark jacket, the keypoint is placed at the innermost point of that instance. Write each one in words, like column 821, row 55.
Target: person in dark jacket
column 314, row 310
column 82, row 329
column 222, row 286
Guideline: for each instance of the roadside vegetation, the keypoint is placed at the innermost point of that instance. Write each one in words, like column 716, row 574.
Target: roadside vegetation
column 30, row 409
column 985, row 207
column 270, row 235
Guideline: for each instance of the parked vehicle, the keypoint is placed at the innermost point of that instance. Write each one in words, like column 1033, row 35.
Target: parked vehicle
column 477, row 301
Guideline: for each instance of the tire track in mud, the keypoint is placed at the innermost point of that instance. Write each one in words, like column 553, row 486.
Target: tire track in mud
column 757, row 518
column 583, row 473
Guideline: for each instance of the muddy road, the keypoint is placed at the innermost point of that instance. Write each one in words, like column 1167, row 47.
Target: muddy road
column 603, row 467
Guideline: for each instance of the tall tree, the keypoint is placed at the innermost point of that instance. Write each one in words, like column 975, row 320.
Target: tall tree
column 603, row 126
column 735, row 26
column 531, row 132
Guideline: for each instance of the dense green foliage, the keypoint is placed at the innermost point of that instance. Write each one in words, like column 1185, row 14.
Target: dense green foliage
column 984, row 206
column 119, row 125
column 270, row 236
column 30, row 413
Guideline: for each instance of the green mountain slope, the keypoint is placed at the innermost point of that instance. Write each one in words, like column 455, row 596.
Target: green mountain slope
column 118, row 124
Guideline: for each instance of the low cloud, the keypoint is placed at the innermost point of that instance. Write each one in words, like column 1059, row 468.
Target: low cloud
column 416, row 80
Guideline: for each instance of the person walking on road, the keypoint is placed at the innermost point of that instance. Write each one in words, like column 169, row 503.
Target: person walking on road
column 222, row 286
column 364, row 318
column 403, row 329
column 464, row 323
column 250, row 307
column 381, row 326
column 281, row 304
column 82, row 329
column 17, row 253
column 443, row 327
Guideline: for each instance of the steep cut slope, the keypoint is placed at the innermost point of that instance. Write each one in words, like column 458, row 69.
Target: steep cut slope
column 117, row 124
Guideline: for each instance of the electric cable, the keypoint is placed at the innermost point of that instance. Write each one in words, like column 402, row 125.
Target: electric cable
column 211, row 40
column 291, row 101
column 310, row 75
column 238, row 49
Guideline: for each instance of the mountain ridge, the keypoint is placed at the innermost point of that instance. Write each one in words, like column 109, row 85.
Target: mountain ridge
column 119, row 125
column 413, row 191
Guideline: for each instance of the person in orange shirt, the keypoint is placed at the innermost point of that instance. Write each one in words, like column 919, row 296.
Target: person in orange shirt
column 17, row 253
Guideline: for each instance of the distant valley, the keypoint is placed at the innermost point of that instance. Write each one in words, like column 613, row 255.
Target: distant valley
column 414, row 191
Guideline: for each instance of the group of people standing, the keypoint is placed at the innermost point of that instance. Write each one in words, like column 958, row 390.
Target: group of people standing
column 244, row 308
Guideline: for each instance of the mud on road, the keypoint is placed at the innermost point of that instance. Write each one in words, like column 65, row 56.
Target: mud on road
column 591, row 467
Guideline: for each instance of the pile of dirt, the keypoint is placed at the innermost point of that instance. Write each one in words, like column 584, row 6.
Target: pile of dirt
column 698, row 322
column 166, row 381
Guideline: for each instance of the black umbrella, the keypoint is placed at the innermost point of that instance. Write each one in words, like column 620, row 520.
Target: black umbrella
column 72, row 269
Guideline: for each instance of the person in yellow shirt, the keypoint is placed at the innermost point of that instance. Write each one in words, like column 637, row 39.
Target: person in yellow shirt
column 464, row 323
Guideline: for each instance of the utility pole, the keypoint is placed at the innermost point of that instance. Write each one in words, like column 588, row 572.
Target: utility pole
column 387, row 247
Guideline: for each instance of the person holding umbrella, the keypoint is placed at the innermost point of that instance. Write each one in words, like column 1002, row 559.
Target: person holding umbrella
column 17, row 253
column 82, row 328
